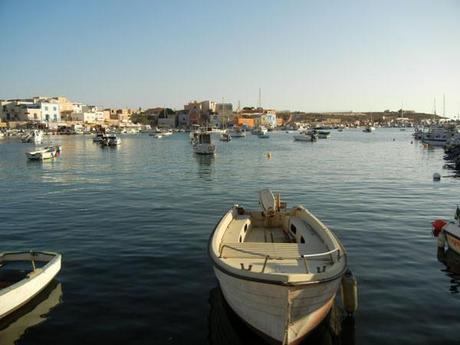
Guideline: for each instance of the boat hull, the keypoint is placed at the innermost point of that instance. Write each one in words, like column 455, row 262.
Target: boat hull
column 453, row 240
column 18, row 294
column 269, row 308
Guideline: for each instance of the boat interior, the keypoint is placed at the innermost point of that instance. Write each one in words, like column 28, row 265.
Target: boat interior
column 15, row 267
column 278, row 241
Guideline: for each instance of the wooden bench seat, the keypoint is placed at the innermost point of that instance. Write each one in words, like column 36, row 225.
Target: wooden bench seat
column 261, row 250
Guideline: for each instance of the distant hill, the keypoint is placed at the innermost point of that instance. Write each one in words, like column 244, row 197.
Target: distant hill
column 363, row 116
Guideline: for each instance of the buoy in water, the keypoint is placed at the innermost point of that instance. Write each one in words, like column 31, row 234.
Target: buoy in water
column 438, row 224
column 269, row 155
column 436, row 177
column 349, row 292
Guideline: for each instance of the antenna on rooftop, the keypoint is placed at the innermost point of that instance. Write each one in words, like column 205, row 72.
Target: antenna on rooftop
column 434, row 106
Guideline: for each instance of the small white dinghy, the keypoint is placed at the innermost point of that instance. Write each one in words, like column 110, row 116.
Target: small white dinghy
column 17, row 287
column 278, row 269
column 42, row 154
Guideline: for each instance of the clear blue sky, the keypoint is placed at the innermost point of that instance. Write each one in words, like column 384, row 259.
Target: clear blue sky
column 305, row 55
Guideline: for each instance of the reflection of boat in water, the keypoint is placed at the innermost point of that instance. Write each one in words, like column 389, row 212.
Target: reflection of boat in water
column 226, row 328
column 452, row 262
column 32, row 314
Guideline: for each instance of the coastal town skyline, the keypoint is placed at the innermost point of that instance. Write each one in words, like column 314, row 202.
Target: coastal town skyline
column 303, row 56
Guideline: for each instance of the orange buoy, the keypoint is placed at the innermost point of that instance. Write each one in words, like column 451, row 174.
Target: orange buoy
column 438, row 224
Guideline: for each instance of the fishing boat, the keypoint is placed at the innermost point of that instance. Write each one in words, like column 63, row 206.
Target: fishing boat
column 110, row 140
column 306, row 136
column 323, row 134
column 237, row 132
column 264, row 136
column 225, row 136
column 202, row 144
column 99, row 137
column 448, row 232
column 42, row 154
column 438, row 136
column 263, row 133
column 19, row 286
column 279, row 269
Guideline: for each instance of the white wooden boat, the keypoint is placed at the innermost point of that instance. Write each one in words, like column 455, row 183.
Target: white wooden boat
column 16, row 291
column 202, row 144
column 42, row 154
column 278, row 269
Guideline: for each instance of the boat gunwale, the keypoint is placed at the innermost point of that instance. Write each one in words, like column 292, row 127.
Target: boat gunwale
column 56, row 257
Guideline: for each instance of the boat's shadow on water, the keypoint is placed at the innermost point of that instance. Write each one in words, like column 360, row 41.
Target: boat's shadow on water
column 226, row 328
column 452, row 262
column 36, row 311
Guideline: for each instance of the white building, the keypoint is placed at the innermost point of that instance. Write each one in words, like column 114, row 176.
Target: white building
column 50, row 112
column 89, row 117
column 268, row 120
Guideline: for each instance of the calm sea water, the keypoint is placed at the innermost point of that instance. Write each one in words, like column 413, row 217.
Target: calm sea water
column 133, row 222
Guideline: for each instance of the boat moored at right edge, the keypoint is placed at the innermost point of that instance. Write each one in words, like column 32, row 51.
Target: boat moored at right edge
column 279, row 269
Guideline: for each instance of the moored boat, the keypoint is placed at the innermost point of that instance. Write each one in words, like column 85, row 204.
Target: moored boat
column 225, row 136
column 278, row 269
column 438, row 136
column 202, row 144
column 237, row 132
column 42, row 154
column 17, row 287
column 323, row 134
column 304, row 136
column 110, row 140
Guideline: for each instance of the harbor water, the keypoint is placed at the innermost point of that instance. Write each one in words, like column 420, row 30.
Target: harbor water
column 132, row 224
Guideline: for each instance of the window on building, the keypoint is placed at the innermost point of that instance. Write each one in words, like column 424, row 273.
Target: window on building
column 55, row 117
column 46, row 108
column 54, row 108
